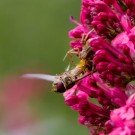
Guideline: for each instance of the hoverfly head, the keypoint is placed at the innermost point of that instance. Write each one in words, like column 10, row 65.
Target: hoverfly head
column 58, row 86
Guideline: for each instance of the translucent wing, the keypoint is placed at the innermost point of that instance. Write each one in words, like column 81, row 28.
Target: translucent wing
column 40, row 76
column 67, row 68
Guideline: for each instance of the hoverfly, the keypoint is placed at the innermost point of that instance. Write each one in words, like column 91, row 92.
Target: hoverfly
column 66, row 80
column 69, row 78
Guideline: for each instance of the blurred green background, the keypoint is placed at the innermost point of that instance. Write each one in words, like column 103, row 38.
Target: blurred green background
column 34, row 35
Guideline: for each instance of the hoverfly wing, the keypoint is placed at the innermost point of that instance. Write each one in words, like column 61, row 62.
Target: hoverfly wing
column 40, row 76
column 68, row 67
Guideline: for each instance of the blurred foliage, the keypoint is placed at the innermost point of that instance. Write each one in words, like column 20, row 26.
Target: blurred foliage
column 34, row 35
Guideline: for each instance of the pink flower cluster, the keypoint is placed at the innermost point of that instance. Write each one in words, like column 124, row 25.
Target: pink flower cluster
column 110, row 29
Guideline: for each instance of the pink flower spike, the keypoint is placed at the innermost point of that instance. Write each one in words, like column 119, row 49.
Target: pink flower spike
column 110, row 63
column 76, row 44
column 129, row 114
column 121, row 131
column 74, row 21
column 131, row 100
column 70, row 92
column 126, row 23
column 130, row 4
column 109, row 2
column 77, row 32
column 72, row 100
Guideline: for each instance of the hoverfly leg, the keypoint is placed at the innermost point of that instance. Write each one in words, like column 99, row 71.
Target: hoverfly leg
column 70, row 53
column 71, row 57
column 66, row 55
column 85, row 37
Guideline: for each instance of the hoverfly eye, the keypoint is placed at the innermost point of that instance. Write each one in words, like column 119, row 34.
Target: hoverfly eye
column 60, row 87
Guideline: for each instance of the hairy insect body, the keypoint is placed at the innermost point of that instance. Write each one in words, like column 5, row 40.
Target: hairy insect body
column 85, row 52
column 69, row 78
